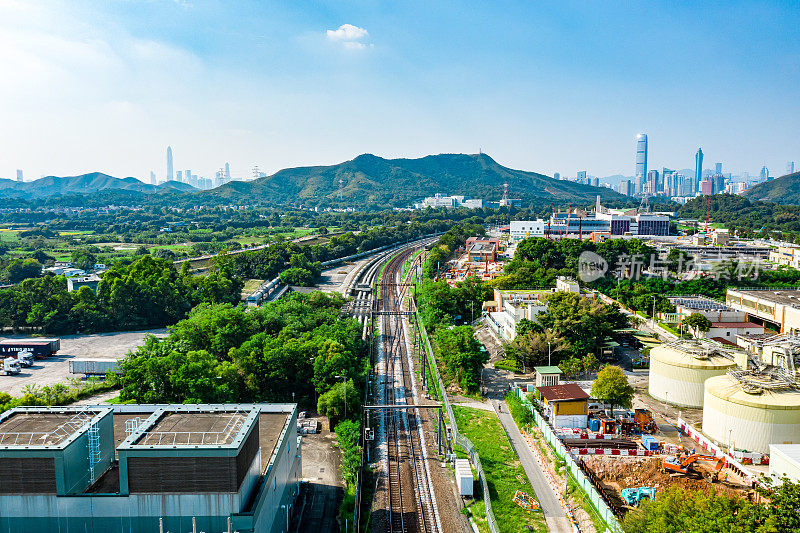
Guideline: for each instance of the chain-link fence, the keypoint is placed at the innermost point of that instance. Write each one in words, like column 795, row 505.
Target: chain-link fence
column 459, row 439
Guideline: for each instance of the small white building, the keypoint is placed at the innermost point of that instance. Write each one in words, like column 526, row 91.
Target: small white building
column 464, row 478
column 784, row 460
column 522, row 229
column 564, row 284
column 729, row 330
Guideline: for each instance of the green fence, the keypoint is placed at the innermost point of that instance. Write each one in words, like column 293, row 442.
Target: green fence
column 597, row 501
column 460, row 439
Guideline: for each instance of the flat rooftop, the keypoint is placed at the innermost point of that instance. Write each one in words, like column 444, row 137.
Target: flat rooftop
column 41, row 428
column 270, row 429
column 778, row 296
column 698, row 302
column 188, row 428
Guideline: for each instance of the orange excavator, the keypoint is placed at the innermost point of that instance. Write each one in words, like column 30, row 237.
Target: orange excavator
column 687, row 464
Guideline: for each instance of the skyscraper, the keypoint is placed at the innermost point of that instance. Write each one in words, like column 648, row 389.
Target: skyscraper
column 152, row 177
column 187, row 176
column 790, row 167
column 718, row 169
column 179, row 176
column 641, row 161
column 698, row 170
column 19, row 176
column 169, row 163
column 764, row 175
column 556, row 176
column 227, row 172
column 581, row 177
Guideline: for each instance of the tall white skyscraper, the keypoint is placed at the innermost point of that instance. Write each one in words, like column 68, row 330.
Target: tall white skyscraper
column 169, row 163
column 227, row 172
column 179, row 176
column 152, row 177
column 789, row 168
column 641, row 161
column 19, row 176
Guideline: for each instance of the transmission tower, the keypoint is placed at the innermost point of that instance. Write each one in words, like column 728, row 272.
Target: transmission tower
column 341, row 188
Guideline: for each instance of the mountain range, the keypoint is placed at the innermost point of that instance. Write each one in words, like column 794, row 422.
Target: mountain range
column 83, row 184
column 783, row 190
column 373, row 180
column 367, row 180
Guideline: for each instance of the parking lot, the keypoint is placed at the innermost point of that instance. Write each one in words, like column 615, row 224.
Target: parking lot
column 55, row 369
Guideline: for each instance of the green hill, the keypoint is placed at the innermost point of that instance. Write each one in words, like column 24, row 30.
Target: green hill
column 373, row 180
column 783, row 190
column 84, row 184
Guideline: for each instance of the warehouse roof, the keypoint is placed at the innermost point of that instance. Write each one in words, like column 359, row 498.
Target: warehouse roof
column 561, row 393
column 43, row 426
column 780, row 296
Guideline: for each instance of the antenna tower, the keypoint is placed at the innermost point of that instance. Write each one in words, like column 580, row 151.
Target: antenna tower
column 341, row 188
column 504, row 201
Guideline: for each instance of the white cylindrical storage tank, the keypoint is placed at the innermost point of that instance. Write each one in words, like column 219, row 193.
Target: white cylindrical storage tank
column 679, row 370
column 750, row 420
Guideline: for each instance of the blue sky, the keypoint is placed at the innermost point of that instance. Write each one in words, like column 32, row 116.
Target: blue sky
column 551, row 87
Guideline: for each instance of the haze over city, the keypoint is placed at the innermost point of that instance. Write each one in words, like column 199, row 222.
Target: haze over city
column 93, row 86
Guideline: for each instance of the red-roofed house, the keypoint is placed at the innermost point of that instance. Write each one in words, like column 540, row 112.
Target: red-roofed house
column 729, row 330
column 566, row 405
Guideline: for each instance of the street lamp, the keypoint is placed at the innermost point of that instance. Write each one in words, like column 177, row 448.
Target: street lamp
column 654, row 311
column 549, row 352
column 344, row 380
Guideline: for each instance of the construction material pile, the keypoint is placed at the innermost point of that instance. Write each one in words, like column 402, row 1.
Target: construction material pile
column 618, row 473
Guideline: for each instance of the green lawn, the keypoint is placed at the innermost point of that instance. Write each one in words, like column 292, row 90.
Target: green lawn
column 504, row 473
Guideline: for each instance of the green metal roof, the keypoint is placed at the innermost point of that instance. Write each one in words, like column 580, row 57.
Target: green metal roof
column 548, row 370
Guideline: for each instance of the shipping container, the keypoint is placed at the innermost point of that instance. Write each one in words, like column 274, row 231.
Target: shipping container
column 38, row 347
column 94, row 367
column 649, row 442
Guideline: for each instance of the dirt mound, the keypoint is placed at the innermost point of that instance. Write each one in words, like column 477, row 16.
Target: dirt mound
column 621, row 473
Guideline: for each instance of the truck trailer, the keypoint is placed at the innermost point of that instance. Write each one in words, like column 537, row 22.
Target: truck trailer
column 94, row 367
column 38, row 347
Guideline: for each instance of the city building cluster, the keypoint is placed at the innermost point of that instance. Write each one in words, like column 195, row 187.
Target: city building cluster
column 677, row 185
column 601, row 223
column 221, row 176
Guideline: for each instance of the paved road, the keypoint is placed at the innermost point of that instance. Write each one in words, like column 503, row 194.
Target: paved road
column 554, row 515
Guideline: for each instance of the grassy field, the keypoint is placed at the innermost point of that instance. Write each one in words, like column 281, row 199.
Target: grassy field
column 504, row 473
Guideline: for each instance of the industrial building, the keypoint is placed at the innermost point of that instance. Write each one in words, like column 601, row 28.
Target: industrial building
column 146, row 468
column 566, row 405
column 679, row 370
column 776, row 308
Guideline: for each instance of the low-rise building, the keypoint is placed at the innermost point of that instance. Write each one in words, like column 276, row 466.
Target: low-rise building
column 784, row 461
column 776, row 308
column 547, row 376
column 91, row 281
column 786, row 256
column 522, row 229
column 566, row 405
column 482, row 250
column 137, row 468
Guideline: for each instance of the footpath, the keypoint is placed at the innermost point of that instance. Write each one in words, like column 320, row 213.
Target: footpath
column 548, row 497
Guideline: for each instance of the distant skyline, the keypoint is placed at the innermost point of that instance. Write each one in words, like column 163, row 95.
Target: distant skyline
column 548, row 87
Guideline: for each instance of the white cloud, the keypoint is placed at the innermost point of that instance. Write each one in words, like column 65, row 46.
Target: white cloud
column 351, row 37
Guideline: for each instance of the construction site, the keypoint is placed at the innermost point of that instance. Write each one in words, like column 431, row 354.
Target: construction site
column 714, row 413
column 143, row 468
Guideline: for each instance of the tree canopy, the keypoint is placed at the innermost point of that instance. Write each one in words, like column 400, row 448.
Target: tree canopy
column 612, row 386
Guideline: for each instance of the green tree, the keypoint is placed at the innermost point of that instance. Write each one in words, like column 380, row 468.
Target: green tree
column 21, row 269
column 697, row 322
column 612, row 386
column 332, row 403
column 83, row 259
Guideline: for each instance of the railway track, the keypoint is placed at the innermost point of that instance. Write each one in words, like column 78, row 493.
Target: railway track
column 411, row 502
